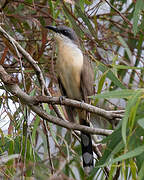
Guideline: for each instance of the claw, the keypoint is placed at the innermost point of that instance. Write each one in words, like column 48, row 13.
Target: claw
column 61, row 98
column 82, row 101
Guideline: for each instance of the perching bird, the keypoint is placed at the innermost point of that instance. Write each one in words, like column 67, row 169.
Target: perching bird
column 75, row 77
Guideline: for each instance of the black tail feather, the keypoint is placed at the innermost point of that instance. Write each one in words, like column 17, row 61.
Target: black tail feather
column 87, row 151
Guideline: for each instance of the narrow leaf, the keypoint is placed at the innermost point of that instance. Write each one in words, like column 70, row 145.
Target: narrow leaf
column 141, row 122
column 141, row 172
column 71, row 19
column 103, row 68
column 138, row 8
column 127, row 67
column 128, row 155
column 131, row 154
column 133, row 168
column 125, row 46
column 132, row 101
column 36, row 123
column 86, row 20
column 124, row 93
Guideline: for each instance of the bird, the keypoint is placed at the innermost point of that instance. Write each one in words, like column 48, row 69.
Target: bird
column 75, row 78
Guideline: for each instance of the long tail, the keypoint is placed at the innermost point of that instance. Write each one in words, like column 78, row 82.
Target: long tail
column 87, row 151
column 86, row 141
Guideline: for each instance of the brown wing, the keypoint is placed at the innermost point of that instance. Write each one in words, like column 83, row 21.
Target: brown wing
column 87, row 79
column 86, row 84
column 69, row 110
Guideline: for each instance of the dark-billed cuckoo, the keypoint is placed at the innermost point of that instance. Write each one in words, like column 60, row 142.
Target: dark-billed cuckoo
column 76, row 77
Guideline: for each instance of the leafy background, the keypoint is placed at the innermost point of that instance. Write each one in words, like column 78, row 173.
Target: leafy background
column 112, row 36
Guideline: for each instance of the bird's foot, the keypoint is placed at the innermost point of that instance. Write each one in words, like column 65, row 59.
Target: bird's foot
column 82, row 101
column 61, row 98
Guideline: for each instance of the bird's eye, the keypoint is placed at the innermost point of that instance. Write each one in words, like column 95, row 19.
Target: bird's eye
column 65, row 32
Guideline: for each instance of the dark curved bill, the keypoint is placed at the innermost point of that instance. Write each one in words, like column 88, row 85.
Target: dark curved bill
column 53, row 28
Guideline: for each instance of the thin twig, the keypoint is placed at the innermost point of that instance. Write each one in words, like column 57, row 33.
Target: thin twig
column 34, row 65
column 124, row 18
column 48, row 145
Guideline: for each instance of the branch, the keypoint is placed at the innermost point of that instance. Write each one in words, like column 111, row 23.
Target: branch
column 33, row 63
column 13, row 88
column 70, row 102
column 68, row 125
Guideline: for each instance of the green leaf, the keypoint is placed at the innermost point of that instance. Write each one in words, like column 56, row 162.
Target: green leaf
column 126, row 47
column 88, row 2
column 133, row 115
column 123, row 93
column 46, row 107
column 51, row 7
column 32, row 93
column 141, row 172
column 72, row 20
column 101, row 83
column 100, row 86
column 44, row 141
column 114, row 145
column 86, row 20
column 36, row 124
column 133, row 168
column 127, row 67
column 138, row 8
column 81, row 3
column 111, row 172
column 29, row 1
column 103, row 68
column 2, row 137
column 132, row 101
column 53, row 133
column 141, row 122
column 128, row 155
column 131, row 154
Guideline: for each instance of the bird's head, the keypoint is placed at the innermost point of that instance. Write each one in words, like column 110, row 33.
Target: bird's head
column 64, row 34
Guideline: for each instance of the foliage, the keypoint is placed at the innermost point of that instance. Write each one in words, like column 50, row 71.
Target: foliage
column 112, row 36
